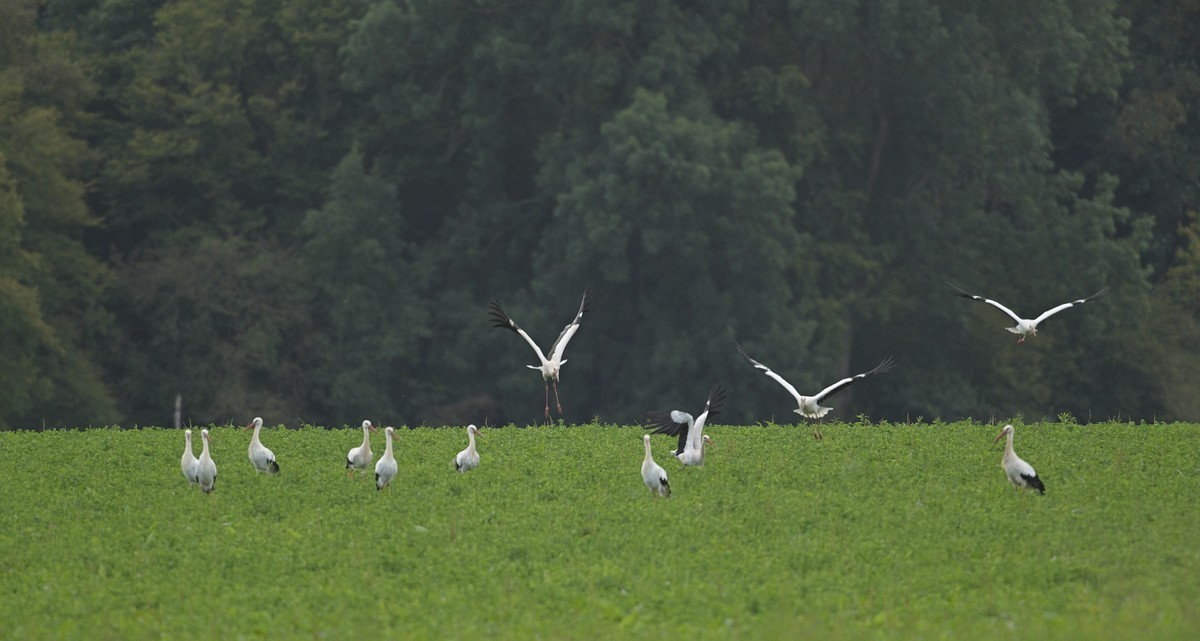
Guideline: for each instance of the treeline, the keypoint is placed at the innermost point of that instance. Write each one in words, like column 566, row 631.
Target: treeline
column 299, row 209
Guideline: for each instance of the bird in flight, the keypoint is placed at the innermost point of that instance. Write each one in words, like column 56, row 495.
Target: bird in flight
column 1025, row 326
column 550, row 365
column 810, row 406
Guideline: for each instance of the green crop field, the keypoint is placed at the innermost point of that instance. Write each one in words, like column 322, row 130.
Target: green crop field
column 879, row 531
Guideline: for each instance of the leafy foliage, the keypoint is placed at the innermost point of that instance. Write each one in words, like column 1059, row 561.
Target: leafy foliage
column 304, row 206
column 879, row 531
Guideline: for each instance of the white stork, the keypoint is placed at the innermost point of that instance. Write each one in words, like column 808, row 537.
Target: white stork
column 468, row 459
column 810, row 406
column 359, row 458
column 1026, row 326
column 1020, row 473
column 189, row 462
column 549, row 367
column 206, row 469
column 262, row 458
column 653, row 475
column 692, row 439
column 385, row 469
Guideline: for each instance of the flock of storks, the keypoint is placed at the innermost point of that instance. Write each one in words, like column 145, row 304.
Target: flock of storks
column 692, row 441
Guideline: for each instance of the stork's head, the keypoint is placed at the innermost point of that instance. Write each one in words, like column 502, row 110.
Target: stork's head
column 1008, row 429
column 368, row 426
column 257, row 422
column 708, row 440
column 471, row 429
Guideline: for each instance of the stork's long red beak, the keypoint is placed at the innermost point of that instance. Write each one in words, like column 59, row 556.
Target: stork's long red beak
column 998, row 437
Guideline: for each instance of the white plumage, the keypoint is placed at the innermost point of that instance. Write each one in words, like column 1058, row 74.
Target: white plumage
column 549, row 367
column 385, row 469
column 468, row 459
column 206, row 469
column 653, row 475
column 1019, row 473
column 359, row 458
column 692, row 439
column 189, row 463
column 810, row 406
column 1025, row 326
column 262, row 458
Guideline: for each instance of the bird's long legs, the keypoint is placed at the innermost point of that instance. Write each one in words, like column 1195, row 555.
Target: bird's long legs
column 548, row 401
column 556, row 401
column 817, row 430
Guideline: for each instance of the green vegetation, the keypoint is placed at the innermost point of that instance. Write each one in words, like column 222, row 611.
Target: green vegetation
column 300, row 209
column 880, row 531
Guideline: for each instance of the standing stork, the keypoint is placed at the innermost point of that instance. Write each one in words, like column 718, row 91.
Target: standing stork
column 549, row 367
column 189, row 463
column 206, row 469
column 1026, row 326
column 359, row 458
column 385, row 469
column 810, row 406
column 262, row 458
column 1020, row 473
column 468, row 459
column 653, row 475
column 692, row 439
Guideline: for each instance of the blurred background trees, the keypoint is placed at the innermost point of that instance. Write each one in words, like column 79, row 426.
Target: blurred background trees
column 299, row 209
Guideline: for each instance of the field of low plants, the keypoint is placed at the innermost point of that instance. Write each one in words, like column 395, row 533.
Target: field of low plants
column 879, row 531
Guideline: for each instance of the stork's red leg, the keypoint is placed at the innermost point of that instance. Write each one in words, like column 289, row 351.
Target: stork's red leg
column 556, row 401
column 548, row 399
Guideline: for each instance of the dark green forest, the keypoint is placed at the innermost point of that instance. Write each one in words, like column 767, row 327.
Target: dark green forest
column 300, row 209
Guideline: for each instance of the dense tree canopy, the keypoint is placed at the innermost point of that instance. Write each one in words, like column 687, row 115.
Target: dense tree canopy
column 300, row 209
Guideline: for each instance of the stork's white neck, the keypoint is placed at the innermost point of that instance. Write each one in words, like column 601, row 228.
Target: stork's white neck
column 387, row 451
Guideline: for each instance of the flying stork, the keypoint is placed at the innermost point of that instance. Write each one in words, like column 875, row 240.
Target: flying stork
column 551, row 365
column 1026, row 326
column 810, row 406
column 690, row 431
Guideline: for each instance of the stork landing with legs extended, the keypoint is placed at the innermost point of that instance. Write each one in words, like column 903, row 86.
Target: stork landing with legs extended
column 551, row 365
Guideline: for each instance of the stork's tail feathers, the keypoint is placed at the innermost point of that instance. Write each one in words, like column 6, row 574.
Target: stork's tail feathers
column 272, row 467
